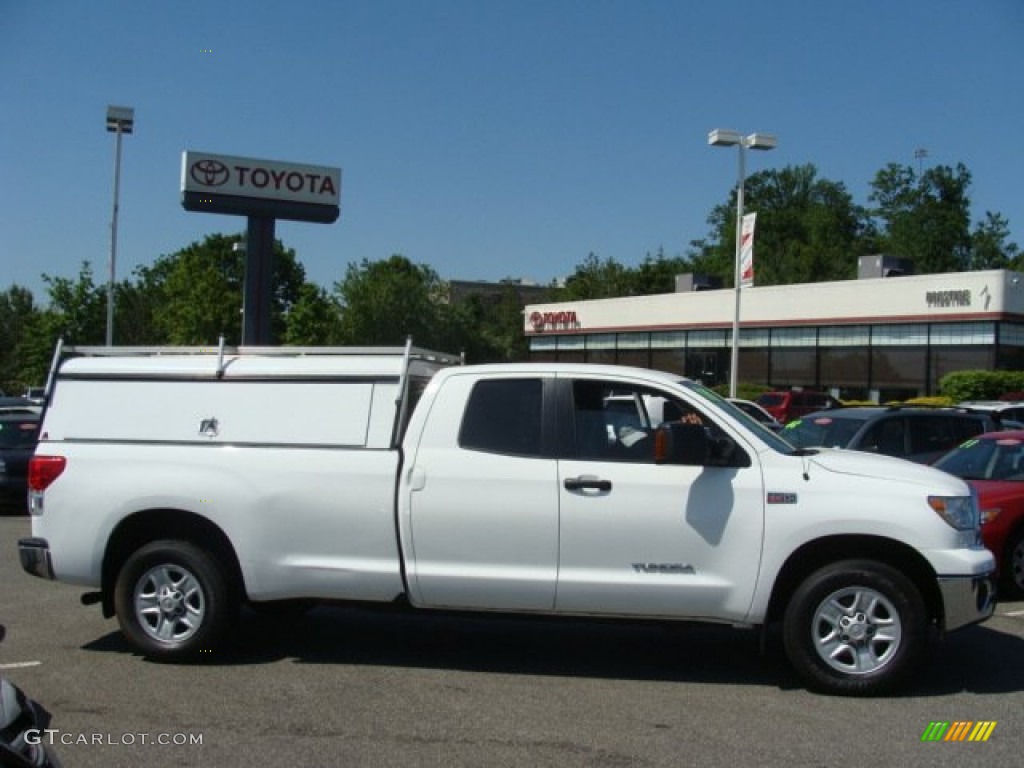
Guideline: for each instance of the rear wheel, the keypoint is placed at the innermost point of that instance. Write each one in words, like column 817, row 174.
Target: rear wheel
column 855, row 627
column 173, row 600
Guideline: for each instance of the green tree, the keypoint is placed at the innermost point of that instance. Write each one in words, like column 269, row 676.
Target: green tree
column 808, row 229
column 486, row 329
column 77, row 312
column 925, row 217
column 384, row 302
column 989, row 246
column 18, row 318
column 196, row 293
column 78, row 308
column 314, row 319
column 597, row 279
column 134, row 319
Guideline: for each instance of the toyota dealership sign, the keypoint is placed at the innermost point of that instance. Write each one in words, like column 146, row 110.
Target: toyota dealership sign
column 251, row 186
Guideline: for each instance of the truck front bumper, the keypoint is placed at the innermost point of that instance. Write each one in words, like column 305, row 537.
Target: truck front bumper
column 967, row 599
column 35, row 557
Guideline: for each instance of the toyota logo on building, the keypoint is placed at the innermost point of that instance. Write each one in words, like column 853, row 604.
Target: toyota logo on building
column 557, row 320
column 209, row 173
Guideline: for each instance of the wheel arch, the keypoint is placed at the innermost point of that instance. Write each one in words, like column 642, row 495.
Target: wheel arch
column 818, row 553
column 148, row 525
column 1015, row 532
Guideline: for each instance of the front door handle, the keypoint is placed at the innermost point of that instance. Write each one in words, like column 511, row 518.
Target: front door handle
column 587, row 482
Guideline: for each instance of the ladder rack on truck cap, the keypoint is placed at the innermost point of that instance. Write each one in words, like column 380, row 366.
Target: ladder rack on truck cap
column 246, row 361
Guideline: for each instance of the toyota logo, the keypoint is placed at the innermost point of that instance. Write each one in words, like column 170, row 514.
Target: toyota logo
column 209, row 173
column 536, row 320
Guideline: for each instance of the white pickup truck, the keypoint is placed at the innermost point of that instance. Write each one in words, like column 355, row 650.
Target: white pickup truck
column 179, row 484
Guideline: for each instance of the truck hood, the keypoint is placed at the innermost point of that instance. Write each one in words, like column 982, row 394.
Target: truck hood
column 885, row 468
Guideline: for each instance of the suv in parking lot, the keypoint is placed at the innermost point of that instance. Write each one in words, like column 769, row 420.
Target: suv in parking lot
column 1003, row 410
column 19, row 432
column 788, row 405
column 916, row 433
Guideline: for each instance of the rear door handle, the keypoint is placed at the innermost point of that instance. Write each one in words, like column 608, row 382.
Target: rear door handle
column 587, row 482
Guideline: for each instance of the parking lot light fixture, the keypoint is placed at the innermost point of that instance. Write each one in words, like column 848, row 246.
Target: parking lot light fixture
column 721, row 137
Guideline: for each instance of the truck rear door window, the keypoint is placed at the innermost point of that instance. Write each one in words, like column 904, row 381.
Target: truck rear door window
column 504, row 416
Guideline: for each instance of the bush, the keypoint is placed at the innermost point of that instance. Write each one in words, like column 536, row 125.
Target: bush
column 980, row 385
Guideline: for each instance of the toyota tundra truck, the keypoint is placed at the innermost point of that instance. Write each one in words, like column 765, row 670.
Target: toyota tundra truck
column 178, row 484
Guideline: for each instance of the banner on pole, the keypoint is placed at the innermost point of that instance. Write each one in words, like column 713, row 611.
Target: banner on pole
column 747, row 251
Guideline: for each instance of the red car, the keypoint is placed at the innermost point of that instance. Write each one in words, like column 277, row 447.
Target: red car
column 993, row 464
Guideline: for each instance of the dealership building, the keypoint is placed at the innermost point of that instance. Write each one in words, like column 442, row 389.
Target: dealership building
column 875, row 338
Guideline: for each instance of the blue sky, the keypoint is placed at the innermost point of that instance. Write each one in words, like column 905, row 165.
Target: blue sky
column 485, row 139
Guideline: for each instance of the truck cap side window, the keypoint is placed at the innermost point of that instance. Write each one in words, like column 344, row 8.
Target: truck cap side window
column 504, row 416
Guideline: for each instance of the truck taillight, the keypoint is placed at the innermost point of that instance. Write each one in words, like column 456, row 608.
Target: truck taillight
column 43, row 470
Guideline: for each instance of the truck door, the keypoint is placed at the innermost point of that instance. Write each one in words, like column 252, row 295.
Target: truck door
column 646, row 539
column 480, row 522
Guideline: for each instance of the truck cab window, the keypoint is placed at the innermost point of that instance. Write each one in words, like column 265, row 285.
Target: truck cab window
column 504, row 416
column 613, row 422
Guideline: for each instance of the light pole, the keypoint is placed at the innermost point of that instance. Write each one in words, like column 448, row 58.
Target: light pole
column 120, row 120
column 725, row 138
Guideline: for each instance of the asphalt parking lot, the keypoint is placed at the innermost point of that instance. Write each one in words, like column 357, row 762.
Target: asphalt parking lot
column 349, row 687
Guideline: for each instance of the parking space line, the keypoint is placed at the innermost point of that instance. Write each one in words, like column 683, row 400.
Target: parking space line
column 20, row 664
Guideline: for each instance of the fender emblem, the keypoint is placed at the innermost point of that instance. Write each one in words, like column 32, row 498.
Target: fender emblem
column 781, row 498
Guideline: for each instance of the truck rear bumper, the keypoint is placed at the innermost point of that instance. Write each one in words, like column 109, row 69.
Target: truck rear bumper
column 35, row 557
column 967, row 599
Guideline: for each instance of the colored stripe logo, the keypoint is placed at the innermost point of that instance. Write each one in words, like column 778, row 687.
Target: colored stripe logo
column 958, row 730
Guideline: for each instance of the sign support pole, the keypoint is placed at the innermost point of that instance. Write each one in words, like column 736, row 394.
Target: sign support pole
column 259, row 270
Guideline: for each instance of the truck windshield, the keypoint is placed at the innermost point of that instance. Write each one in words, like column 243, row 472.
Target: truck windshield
column 765, row 434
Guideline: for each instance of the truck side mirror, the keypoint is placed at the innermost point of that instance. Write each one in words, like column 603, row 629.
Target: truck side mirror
column 685, row 444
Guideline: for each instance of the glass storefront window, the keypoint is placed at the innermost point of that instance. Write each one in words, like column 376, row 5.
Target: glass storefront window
column 668, row 340
column 794, row 337
column 753, row 365
column 843, row 367
column 897, row 367
column 671, row 360
column 853, row 361
column 708, row 338
column 754, row 337
column 962, row 334
column 543, row 349
column 1011, row 334
column 570, row 349
column 601, row 348
column 794, row 367
column 899, row 335
column 844, row 336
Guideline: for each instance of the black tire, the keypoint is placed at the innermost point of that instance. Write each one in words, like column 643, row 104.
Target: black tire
column 1012, row 576
column 855, row 628
column 173, row 600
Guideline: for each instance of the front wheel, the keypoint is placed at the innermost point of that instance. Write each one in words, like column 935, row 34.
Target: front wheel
column 855, row 628
column 1013, row 566
column 173, row 600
